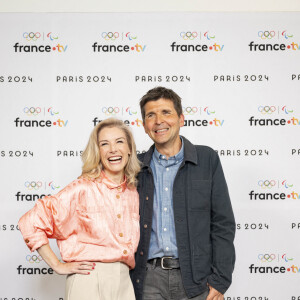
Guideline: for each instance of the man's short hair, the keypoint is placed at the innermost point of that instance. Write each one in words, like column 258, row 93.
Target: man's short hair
column 158, row 93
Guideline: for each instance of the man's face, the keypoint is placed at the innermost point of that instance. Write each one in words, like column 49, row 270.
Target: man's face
column 162, row 123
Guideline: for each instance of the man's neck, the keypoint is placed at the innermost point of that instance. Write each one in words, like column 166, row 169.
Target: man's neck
column 170, row 149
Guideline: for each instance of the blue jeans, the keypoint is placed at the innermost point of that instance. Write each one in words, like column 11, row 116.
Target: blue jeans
column 163, row 284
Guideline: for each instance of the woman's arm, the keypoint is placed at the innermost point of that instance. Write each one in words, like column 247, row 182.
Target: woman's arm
column 83, row 267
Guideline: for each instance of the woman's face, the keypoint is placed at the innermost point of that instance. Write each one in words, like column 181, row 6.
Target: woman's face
column 114, row 151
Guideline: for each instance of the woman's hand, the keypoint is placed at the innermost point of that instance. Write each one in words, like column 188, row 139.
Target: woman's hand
column 83, row 267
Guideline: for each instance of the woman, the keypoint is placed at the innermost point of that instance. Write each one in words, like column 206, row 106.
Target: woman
column 95, row 219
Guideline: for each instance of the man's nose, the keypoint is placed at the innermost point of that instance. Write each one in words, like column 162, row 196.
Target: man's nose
column 159, row 119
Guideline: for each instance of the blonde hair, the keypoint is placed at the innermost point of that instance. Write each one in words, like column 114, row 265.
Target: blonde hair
column 92, row 165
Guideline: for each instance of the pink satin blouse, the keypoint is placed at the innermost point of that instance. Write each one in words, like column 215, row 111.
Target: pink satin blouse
column 92, row 220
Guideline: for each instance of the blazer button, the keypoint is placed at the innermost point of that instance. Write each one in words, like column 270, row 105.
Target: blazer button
column 145, row 226
column 27, row 241
column 147, row 198
column 137, row 281
column 141, row 253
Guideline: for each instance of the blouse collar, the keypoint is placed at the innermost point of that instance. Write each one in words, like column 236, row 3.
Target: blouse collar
column 110, row 184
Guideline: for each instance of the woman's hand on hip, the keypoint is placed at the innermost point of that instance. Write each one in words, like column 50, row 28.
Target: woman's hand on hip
column 82, row 267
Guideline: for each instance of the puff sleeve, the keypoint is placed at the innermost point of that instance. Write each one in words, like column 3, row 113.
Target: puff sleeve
column 51, row 217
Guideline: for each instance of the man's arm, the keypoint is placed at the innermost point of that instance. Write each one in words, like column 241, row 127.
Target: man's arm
column 222, row 230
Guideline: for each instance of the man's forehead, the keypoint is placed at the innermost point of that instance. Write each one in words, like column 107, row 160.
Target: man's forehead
column 160, row 104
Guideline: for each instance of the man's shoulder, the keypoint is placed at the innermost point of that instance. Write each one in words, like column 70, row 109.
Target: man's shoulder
column 141, row 156
column 201, row 149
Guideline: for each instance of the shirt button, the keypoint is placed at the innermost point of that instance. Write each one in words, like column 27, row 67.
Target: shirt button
column 119, row 188
column 167, row 169
column 165, row 229
column 165, row 209
column 119, row 216
column 145, row 226
column 141, row 253
column 166, row 189
column 124, row 251
column 167, row 248
column 118, row 196
column 163, row 157
column 120, row 234
column 147, row 198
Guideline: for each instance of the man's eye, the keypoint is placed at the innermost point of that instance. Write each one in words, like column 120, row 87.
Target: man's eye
column 149, row 116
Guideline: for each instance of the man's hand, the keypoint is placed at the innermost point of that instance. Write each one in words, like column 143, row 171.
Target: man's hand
column 83, row 267
column 214, row 294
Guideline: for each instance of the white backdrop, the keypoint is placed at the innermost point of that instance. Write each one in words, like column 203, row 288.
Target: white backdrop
column 51, row 101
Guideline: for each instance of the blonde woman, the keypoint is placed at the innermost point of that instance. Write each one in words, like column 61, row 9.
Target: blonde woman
column 95, row 219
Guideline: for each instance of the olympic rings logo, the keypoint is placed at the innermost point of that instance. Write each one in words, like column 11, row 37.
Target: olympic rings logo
column 189, row 110
column 267, row 183
column 34, row 258
column 266, row 257
column 110, row 110
column 32, row 111
column 110, row 36
column 31, row 36
column 33, row 185
column 188, row 35
column 266, row 34
column 266, row 109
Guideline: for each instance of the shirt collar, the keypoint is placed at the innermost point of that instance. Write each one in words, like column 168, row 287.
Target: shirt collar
column 177, row 157
column 190, row 153
column 110, row 184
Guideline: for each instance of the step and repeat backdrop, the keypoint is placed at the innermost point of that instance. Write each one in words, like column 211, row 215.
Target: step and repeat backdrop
column 239, row 78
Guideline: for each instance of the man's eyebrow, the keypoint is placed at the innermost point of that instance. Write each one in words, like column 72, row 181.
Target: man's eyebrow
column 149, row 112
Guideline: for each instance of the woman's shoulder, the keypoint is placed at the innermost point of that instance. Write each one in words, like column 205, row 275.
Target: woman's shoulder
column 77, row 185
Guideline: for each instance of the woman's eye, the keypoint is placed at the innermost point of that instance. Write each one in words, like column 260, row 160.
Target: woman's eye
column 103, row 144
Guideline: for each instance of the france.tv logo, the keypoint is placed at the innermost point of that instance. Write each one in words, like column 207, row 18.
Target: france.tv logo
column 118, row 42
column 40, row 42
column 274, row 40
column 197, row 42
column 34, row 112
column 274, row 116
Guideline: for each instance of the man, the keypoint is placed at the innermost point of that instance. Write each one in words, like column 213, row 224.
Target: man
column 187, row 225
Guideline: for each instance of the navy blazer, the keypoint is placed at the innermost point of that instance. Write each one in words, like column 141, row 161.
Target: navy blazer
column 204, row 221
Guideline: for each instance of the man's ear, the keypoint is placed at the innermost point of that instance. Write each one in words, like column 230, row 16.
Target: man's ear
column 181, row 120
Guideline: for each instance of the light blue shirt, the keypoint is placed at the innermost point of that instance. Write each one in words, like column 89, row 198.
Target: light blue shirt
column 163, row 236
